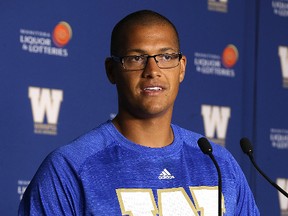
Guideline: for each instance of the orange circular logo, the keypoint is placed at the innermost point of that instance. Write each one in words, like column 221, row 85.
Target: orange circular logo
column 62, row 34
column 229, row 56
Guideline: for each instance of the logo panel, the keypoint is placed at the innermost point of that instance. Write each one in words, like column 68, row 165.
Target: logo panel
column 283, row 55
column 21, row 187
column 283, row 183
column 280, row 7
column 215, row 64
column 45, row 103
column 216, row 121
column 279, row 138
column 218, row 5
column 40, row 42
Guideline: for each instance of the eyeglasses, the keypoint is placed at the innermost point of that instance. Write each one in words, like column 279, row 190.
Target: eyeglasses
column 138, row 62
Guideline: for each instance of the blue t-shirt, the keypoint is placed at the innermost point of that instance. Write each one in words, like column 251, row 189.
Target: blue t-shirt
column 103, row 173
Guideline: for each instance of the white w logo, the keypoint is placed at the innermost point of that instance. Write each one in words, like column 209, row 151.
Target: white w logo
column 45, row 101
column 215, row 120
column 171, row 201
column 222, row 1
column 283, row 54
column 283, row 183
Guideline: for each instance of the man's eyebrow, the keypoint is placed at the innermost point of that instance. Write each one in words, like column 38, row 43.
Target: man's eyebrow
column 136, row 51
column 168, row 49
column 162, row 50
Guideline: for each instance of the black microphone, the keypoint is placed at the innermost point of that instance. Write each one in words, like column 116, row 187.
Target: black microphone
column 248, row 149
column 206, row 148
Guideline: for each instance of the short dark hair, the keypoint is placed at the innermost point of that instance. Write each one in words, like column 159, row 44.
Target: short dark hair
column 142, row 17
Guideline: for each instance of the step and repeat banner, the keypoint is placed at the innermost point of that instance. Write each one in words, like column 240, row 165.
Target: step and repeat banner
column 53, row 86
column 271, row 104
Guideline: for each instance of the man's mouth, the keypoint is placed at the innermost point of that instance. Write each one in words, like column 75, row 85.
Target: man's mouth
column 154, row 88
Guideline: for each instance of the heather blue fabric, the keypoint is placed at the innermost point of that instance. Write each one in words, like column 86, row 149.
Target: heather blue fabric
column 81, row 178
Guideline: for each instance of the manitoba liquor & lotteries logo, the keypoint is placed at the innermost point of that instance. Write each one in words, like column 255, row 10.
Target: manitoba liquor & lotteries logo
column 42, row 42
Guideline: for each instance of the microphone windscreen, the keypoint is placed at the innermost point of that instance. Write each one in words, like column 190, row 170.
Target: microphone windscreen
column 246, row 145
column 204, row 145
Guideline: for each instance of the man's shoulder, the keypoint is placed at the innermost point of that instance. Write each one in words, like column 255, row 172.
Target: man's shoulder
column 191, row 138
column 86, row 145
column 186, row 135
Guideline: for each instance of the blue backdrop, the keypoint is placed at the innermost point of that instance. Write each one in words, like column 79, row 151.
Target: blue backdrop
column 53, row 85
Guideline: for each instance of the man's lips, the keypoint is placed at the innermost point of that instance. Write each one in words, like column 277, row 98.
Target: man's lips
column 153, row 88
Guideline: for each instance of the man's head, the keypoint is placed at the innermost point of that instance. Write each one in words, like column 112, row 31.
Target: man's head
column 146, row 64
column 141, row 18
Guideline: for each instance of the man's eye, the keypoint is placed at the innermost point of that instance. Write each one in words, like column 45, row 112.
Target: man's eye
column 166, row 57
column 135, row 58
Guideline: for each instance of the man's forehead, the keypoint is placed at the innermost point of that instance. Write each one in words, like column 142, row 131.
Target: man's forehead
column 130, row 32
column 147, row 45
column 145, row 37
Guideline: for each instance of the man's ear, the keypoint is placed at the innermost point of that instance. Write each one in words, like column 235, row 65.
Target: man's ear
column 183, row 63
column 109, row 64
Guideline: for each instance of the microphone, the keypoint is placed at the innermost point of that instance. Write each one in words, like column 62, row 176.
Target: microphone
column 248, row 149
column 206, row 148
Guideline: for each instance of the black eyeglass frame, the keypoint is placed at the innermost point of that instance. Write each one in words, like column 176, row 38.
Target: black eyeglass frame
column 121, row 59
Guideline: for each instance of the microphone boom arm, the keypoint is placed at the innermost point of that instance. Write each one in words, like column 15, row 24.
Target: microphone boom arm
column 266, row 177
column 219, row 182
column 248, row 149
column 206, row 148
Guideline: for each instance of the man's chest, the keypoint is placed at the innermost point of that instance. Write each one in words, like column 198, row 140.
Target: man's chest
column 152, row 189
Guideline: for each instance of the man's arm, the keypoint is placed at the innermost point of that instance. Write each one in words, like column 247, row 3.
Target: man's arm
column 54, row 190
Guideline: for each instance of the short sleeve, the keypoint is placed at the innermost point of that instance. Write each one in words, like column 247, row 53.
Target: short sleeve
column 54, row 190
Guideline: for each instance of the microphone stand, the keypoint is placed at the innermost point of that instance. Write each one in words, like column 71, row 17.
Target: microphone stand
column 206, row 148
column 219, row 184
column 266, row 177
column 248, row 149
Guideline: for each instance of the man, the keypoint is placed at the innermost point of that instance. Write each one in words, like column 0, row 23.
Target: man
column 139, row 163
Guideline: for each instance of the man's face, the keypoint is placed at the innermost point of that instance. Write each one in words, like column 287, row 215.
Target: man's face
column 151, row 91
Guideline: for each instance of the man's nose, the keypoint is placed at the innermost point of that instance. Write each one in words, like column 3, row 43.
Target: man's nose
column 151, row 69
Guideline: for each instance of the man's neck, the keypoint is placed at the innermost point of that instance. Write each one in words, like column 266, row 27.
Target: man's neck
column 152, row 132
